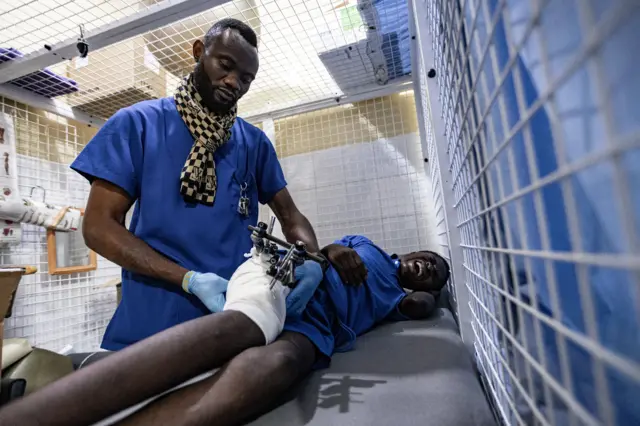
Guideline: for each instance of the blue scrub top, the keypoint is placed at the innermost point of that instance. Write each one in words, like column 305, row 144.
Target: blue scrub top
column 142, row 149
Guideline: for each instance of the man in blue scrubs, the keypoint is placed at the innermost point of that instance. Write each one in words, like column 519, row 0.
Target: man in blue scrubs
column 196, row 174
column 253, row 380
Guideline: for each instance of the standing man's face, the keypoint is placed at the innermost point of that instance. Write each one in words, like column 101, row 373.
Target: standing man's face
column 225, row 70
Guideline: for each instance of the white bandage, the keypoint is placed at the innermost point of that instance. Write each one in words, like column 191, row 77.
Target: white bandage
column 249, row 293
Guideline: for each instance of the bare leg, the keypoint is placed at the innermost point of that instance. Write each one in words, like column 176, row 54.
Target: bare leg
column 247, row 386
column 138, row 372
column 171, row 408
column 253, row 381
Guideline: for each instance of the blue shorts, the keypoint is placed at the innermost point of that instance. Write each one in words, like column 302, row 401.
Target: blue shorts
column 316, row 324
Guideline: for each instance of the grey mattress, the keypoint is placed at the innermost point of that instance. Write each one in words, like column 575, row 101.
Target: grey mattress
column 401, row 374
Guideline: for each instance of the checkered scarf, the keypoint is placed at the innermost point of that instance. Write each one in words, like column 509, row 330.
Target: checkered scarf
column 198, row 181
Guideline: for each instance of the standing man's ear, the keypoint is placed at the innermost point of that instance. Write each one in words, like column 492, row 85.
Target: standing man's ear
column 198, row 50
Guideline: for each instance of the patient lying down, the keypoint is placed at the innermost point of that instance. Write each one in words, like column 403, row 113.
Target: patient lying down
column 257, row 365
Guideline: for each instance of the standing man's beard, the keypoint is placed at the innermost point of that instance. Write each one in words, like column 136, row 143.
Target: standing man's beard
column 205, row 89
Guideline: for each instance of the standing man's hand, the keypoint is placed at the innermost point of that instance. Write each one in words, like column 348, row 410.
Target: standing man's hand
column 347, row 263
column 209, row 288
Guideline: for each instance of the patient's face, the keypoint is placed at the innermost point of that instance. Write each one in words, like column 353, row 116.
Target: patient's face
column 423, row 271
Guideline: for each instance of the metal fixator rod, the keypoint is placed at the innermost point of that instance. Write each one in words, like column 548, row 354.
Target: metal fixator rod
column 285, row 261
column 286, row 245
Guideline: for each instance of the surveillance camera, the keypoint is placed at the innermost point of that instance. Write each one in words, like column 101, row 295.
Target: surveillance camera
column 83, row 48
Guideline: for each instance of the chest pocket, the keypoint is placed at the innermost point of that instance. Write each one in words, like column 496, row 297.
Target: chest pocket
column 244, row 200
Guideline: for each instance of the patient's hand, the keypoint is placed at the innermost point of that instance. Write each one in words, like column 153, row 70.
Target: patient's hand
column 418, row 305
column 347, row 263
column 309, row 275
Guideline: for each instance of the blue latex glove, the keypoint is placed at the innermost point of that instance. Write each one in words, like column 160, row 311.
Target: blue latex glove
column 209, row 288
column 309, row 276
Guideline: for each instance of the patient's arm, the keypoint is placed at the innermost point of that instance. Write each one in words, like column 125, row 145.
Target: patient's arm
column 418, row 305
column 138, row 372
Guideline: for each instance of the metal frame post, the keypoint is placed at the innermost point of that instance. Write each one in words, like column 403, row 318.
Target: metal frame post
column 359, row 94
column 422, row 48
column 47, row 104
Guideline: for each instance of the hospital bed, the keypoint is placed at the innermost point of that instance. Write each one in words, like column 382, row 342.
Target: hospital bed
column 406, row 373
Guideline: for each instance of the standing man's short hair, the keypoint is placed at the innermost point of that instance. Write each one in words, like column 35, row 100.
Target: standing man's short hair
column 229, row 23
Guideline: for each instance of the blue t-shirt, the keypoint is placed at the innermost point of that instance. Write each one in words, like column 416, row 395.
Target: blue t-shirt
column 142, row 149
column 360, row 308
column 338, row 313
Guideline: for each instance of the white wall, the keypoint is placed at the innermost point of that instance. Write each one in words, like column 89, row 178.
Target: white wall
column 378, row 189
column 54, row 311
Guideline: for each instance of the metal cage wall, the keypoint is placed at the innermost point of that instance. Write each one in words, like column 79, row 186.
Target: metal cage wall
column 531, row 107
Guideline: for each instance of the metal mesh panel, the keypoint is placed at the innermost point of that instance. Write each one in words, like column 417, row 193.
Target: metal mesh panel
column 53, row 311
column 27, row 25
column 540, row 113
column 309, row 51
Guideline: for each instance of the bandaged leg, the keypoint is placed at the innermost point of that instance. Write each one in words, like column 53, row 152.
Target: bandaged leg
column 248, row 292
